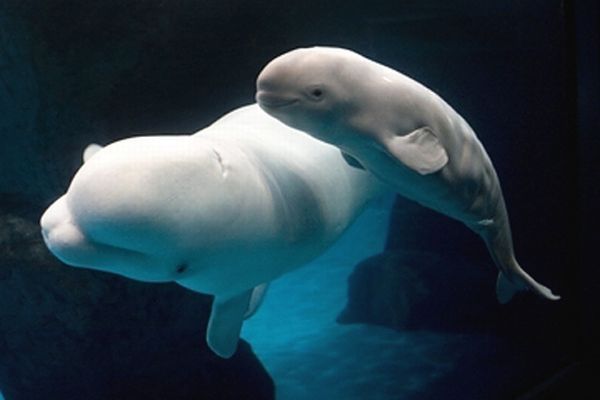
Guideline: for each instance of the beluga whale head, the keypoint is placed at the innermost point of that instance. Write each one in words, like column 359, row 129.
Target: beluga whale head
column 308, row 89
column 123, row 211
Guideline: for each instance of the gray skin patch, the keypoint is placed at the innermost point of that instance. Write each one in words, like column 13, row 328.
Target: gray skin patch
column 299, row 210
column 224, row 170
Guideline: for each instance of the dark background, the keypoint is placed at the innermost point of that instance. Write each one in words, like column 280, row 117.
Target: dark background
column 523, row 73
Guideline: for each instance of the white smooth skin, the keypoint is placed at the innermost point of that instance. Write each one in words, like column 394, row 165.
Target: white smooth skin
column 220, row 212
column 404, row 134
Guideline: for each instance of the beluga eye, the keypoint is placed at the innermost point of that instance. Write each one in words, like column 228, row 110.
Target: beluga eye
column 316, row 93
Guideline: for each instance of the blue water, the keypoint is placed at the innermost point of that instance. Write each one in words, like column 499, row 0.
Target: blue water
column 308, row 354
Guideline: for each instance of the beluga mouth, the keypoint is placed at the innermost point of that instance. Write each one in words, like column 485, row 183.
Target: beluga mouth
column 270, row 100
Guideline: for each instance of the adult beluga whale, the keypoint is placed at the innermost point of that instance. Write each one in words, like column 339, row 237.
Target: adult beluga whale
column 221, row 212
column 403, row 133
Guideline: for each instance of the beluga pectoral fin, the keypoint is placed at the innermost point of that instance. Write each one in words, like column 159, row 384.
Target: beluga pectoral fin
column 225, row 323
column 420, row 151
column 351, row 161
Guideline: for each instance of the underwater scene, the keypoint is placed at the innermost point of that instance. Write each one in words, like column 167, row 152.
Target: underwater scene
column 378, row 200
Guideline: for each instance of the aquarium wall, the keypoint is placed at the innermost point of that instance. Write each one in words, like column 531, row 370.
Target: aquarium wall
column 403, row 307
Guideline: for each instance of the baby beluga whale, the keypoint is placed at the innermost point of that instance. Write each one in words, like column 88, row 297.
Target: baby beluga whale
column 404, row 134
column 220, row 212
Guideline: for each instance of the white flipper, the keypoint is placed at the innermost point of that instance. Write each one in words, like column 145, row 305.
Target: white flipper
column 225, row 323
column 420, row 151
column 256, row 299
column 90, row 150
